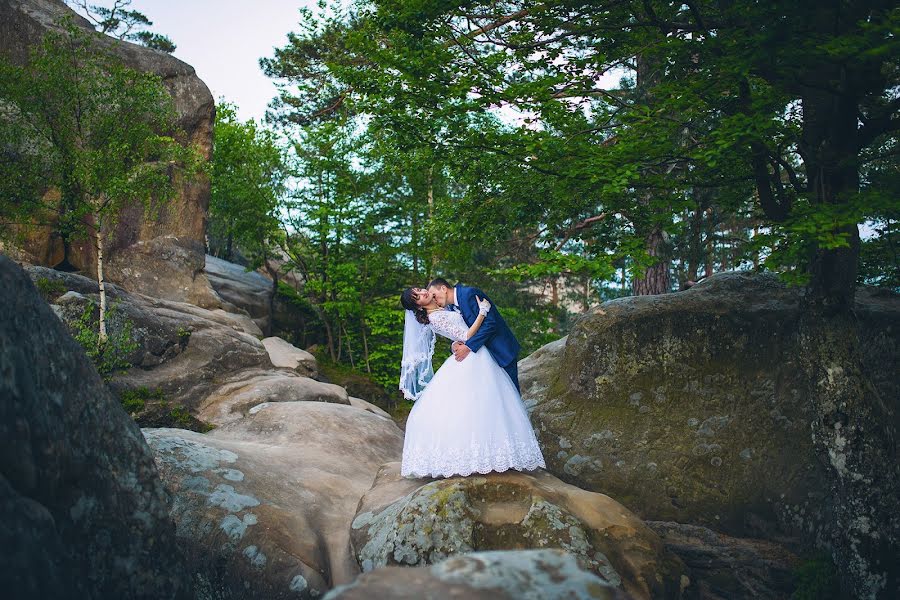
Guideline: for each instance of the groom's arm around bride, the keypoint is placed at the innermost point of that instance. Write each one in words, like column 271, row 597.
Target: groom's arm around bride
column 493, row 334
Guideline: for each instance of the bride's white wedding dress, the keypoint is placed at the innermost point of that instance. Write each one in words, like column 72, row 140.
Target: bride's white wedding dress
column 469, row 418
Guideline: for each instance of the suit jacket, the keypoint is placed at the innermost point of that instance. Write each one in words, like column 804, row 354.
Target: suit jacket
column 493, row 333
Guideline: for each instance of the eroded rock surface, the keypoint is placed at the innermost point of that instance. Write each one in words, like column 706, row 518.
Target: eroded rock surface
column 83, row 512
column 420, row 521
column 500, row 575
column 208, row 362
column 245, row 290
column 263, row 505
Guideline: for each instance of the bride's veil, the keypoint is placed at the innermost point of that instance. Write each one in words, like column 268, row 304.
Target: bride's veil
column 418, row 348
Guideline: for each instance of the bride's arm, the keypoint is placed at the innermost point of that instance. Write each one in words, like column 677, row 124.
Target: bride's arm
column 483, row 307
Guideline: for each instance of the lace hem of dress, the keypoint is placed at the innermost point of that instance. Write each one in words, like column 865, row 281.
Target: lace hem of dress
column 483, row 459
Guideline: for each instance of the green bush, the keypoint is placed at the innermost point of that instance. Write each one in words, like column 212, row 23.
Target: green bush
column 135, row 400
column 50, row 289
column 111, row 357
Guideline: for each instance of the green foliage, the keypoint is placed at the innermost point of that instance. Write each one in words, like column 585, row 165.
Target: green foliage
column 99, row 132
column 880, row 257
column 134, row 401
column 78, row 121
column 112, row 356
column 50, row 288
column 817, row 579
column 490, row 144
column 247, row 177
column 702, row 125
column 181, row 417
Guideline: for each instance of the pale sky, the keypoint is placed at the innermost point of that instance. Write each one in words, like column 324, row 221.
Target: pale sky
column 224, row 40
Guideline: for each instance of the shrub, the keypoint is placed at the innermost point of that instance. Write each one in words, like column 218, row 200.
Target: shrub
column 111, row 357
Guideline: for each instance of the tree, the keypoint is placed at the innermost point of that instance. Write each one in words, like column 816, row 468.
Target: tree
column 120, row 22
column 248, row 174
column 98, row 132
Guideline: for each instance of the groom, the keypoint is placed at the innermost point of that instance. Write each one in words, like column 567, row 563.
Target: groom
column 494, row 332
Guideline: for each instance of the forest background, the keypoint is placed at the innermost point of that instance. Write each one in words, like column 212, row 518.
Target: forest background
column 557, row 155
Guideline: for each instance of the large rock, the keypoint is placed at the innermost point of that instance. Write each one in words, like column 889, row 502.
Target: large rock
column 233, row 401
column 182, row 351
column 285, row 355
column 704, row 407
column 263, row 505
column 404, row 521
column 500, row 575
column 84, row 513
column 207, row 362
column 246, row 290
column 161, row 256
column 286, row 314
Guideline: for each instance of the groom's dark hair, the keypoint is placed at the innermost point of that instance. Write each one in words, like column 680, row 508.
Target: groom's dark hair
column 440, row 281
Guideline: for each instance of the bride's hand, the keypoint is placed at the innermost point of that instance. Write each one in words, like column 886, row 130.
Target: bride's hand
column 483, row 306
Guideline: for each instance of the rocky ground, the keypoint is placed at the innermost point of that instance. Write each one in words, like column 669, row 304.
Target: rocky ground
column 294, row 488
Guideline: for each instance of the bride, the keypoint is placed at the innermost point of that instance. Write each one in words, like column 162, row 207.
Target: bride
column 468, row 417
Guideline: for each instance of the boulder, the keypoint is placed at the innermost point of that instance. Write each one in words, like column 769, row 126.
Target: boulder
column 538, row 370
column 233, row 401
column 263, row 505
column 288, row 314
column 712, row 407
column 84, row 513
column 161, row 256
column 207, row 362
column 245, row 290
column 285, row 355
column 499, row 575
column 403, row 521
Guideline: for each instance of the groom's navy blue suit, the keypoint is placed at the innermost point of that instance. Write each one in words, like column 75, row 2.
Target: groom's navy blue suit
column 493, row 333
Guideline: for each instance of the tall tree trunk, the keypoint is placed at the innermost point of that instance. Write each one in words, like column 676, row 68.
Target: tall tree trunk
column 554, row 291
column 830, row 157
column 696, row 243
column 655, row 279
column 432, row 262
column 329, row 337
column 365, row 341
column 101, row 282
column 414, row 242
column 349, row 348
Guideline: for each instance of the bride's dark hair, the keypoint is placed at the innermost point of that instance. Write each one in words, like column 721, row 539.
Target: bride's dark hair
column 408, row 300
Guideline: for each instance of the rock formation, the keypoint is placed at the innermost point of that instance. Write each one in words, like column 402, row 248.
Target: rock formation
column 263, row 505
column 511, row 575
column 404, row 521
column 208, row 362
column 702, row 407
column 163, row 256
column 84, row 513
